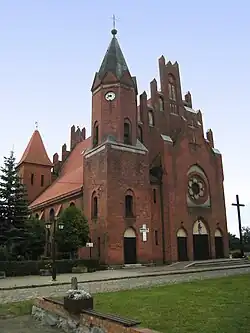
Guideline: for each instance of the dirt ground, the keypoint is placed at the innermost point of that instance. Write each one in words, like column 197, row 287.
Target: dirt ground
column 24, row 325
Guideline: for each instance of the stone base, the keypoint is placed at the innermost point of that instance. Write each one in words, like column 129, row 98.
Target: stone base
column 53, row 313
column 77, row 305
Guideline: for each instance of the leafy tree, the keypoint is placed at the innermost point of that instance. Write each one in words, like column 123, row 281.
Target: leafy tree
column 34, row 245
column 75, row 230
column 13, row 208
column 246, row 238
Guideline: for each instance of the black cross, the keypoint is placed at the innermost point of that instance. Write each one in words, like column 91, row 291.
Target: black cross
column 238, row 205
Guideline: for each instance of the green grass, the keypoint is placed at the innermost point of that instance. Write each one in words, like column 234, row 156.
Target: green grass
column 15, row 309
column 209, row 306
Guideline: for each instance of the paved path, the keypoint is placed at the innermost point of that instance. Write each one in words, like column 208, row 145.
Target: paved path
column 24, row 325
column 99, row 275
column 7, row 296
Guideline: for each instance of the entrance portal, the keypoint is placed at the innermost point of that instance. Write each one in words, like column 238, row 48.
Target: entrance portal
column 219, row 248
column 182, row 245
column 200, row 241
column 129, row 245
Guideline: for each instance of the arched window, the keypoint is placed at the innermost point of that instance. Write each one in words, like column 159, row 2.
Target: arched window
column 151, row 118
column 127, row 132
column 37, row 216
column 129, row 205
column 95, row 134
column 171, row 87
column 52, row 215
column 72, row 204
column 161, row 104
column 94, row 205
column 140, row 135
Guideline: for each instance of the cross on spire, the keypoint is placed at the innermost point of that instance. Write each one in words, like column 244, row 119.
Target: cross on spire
column 114, row 31
column 114, row 19
column 36, row 125
column 238, row 205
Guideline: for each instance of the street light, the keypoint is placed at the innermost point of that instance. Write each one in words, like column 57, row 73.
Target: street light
column 60, row 227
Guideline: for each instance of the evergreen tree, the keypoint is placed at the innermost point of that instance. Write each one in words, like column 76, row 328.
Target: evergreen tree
column 13, row 208
column 36, row 241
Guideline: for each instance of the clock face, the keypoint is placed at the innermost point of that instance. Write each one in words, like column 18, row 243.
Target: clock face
column 110, row 96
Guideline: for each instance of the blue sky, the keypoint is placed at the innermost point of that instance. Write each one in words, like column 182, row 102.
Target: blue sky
column 50, row 51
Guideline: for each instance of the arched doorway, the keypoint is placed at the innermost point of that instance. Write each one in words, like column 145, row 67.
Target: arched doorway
column 200, row 241
column 218, row 240
column 129, row 244
column 182, row 245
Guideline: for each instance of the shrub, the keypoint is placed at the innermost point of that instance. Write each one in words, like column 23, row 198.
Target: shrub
column 22, row 268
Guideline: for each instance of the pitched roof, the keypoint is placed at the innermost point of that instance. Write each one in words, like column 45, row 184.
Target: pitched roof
column 114, row 60
column 70, row 178
column 35, row 152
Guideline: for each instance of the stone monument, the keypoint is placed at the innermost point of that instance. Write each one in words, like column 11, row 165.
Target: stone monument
column 76, row 299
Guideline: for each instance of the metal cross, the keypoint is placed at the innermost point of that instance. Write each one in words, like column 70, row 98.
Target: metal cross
column 36, row 124
column 114, row 19
column 238, row 205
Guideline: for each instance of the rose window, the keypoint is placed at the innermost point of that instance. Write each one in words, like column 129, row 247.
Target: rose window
column 196, row 188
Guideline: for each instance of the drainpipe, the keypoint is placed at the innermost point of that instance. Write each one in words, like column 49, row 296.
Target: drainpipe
column 162, row 222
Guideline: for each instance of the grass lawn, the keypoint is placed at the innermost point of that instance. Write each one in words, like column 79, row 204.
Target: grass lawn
column 209, row 306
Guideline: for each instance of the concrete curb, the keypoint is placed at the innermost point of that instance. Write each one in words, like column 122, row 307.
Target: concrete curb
column 176, row 272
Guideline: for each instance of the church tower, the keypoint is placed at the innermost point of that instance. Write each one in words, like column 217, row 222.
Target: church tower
column 114, row 93
column 116, row 176
column 35, row 167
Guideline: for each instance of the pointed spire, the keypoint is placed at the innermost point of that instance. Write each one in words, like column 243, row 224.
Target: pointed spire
column 35, row 152
column 114, row 60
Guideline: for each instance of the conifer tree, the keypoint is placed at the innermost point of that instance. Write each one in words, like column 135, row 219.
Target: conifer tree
column 13, row 208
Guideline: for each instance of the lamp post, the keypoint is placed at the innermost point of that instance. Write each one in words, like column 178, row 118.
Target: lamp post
column 55, row 226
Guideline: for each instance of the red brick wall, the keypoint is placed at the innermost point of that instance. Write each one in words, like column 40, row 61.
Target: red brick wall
column 26, row 170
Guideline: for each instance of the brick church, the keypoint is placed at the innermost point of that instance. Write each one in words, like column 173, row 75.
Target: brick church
column 148, row 179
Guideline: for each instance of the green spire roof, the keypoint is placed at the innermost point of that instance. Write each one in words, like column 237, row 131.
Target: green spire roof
column 114, row 60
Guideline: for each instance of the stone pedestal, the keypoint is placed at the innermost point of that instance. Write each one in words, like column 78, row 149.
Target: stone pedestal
column 77, row 305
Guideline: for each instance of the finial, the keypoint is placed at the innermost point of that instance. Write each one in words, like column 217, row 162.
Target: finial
column 114, row 31
column 36, row 124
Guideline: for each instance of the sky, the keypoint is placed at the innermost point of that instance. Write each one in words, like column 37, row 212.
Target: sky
column 50, row 51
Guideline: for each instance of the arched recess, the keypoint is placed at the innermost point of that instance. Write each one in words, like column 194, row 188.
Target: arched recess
column 72, row 204
column 127, row 132
column 95, row 134
column 182, row 244
column 37, row 216
column 94, row 205
column 129, row 246
column 171, row 87
column 161, row 103
column 200, row 240
column 52, row 215
column 140, row 134
column 218, row 243
column 129, row 204
column 151, row 120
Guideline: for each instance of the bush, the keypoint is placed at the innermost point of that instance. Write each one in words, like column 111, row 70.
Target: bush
column 236, row 254
column 22, row 268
